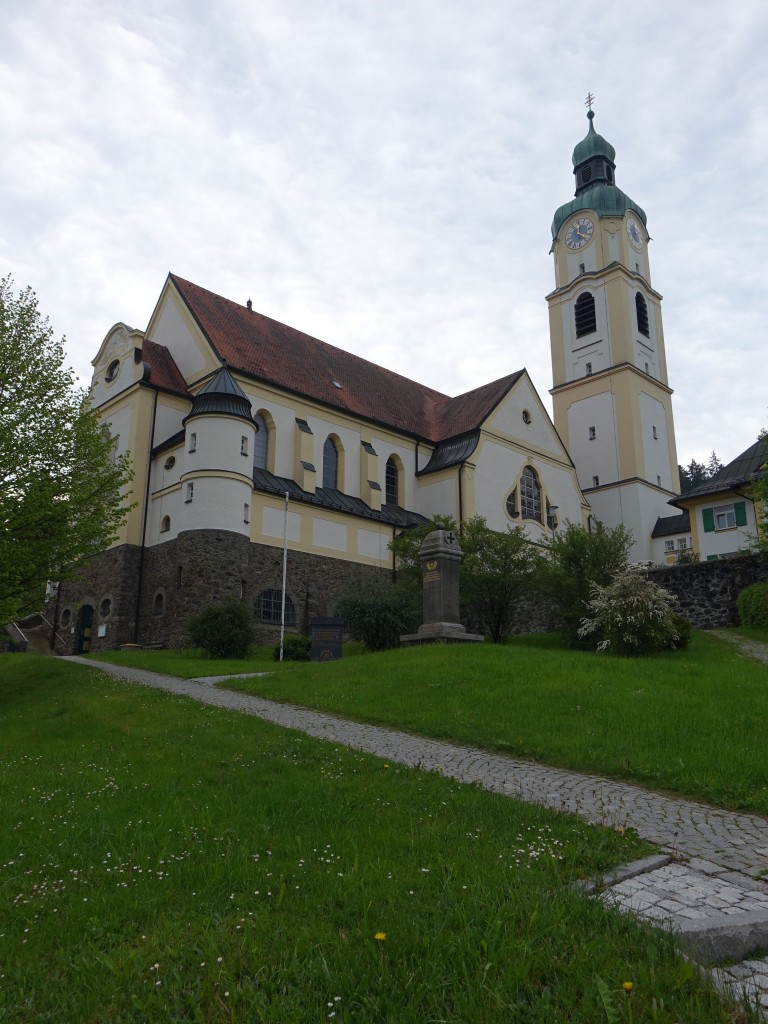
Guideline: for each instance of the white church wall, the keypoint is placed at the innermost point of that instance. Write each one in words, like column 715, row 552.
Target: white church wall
column 655, row 441
column 373, row 544
column 437, row 494
column 170, row 327
column 594, row 456
column 119, row 424
column 168, row 421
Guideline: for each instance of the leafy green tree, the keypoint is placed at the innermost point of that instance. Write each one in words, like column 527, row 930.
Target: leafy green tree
column 580, row 560
column 61, row 485
column 760, row 491
column 407, row 544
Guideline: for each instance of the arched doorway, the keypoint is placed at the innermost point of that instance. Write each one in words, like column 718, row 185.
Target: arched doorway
column 84, row 632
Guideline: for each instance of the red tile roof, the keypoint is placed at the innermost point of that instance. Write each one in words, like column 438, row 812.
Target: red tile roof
column 164, row 373
column 269, row 351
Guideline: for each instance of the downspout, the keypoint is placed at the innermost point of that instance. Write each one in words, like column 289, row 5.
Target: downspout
column 392, row 549
column 461, row 497
column 144, row 523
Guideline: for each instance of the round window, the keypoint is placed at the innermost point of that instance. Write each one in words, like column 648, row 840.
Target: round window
column 526, row 416
column 66, row 617
column 170, row 462
column 105, row 607
column 112, row 370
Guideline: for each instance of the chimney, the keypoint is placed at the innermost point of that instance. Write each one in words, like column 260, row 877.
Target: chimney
column 249, row 306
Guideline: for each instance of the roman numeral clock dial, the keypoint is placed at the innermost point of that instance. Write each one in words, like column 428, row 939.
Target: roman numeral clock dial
column 579, row 233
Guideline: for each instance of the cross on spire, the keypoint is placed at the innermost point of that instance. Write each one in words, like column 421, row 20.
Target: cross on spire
column 589, row 100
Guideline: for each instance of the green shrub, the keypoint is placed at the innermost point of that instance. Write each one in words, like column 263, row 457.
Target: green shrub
column 683, row 630
column 632, row 616
column 380, row 615
column 222, row 630
column 752, row 603
column 296, row 647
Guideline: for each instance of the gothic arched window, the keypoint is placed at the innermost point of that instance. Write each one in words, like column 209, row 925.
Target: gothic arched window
column 530, row 495
column 260, row 443
column 391, row 482
column 584, row 311
column 330, row 464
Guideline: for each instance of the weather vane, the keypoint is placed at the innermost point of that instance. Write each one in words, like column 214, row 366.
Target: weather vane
column 589, row 100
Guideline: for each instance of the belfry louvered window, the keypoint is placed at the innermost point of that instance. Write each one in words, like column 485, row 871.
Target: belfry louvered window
column 586, row 320
column 642, row 315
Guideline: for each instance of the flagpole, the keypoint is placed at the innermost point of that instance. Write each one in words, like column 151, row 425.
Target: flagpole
column 285, row 570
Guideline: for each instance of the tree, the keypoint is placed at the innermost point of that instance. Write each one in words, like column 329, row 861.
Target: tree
column 61, row 486
column 714, row 465
column 580, row 560
column 760, row 489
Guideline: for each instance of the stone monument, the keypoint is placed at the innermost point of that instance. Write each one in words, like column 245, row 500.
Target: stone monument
column 440, row 556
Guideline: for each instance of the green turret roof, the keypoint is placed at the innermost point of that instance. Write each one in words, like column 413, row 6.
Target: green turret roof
column 593, row 166
column 222, row 395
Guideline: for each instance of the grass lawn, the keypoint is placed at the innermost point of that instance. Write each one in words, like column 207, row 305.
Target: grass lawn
column 690, row 722
column 162, row 860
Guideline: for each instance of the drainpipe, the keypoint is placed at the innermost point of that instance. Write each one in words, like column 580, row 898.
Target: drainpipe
column 461, row 498
column 140, row 580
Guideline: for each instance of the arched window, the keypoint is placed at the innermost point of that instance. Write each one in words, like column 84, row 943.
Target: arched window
column 330, row 464
column 165, row 524
column 158, row 605
column 391, row 482
column 269, row 606
column 584, row 310
column 530, row 495
column 642, row 315
column 260, row 443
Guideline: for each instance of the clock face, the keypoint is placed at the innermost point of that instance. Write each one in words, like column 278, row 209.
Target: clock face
column 633, row 230
column 579, row 233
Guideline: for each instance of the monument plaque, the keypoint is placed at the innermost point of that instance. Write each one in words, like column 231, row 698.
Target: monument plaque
column 326, row 636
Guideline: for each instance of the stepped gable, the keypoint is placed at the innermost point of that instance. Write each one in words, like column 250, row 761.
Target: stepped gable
column 267, row 350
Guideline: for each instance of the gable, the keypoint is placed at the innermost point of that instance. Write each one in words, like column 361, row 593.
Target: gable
column 521, row 419
column 172, row 326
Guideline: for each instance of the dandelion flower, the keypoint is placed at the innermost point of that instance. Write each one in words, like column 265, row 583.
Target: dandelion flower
column 380, row 936
column 627, row 986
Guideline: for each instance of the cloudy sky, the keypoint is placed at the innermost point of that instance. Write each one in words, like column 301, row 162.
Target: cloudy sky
column 383, row 175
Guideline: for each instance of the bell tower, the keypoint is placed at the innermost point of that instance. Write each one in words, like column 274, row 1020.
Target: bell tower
column 611, row 397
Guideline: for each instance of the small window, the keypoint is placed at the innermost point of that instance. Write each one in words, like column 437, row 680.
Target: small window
column 682, row 543
column 641, row 308
column 243, row 445
column 582, row 269
column 269, row 608
column 527, row 419
column 105, row 607
column 647, row 369
column 586, row 174
column 589, row 369
column 193, row 442
column 658, row 481
column 66, row 617
column 391, row 482
column 655, row 434
column 246, row 513
column 112, row 371
column 165, row 524
column 585, row 316
column 170, row 462
column 512, row 504
column 190, row 493
column 592, row 433
column 725, row 518
column 595, row 481
column 669, row 545
column 158, row 605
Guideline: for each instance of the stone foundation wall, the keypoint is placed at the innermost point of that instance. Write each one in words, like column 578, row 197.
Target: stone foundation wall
column 182, row 576
column 707, row 591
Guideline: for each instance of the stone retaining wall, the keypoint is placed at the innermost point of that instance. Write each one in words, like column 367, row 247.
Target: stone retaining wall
column 707, row 591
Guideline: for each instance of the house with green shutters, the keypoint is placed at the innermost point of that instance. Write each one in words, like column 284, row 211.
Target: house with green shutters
column 723, row 518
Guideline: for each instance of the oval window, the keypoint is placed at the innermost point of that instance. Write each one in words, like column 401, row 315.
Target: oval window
column 526, row 416
column 112, row 370
column 105, row 607
column 170, row 462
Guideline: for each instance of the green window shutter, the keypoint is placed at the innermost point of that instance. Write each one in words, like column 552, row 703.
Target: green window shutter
column 711, row 558
column 708, row 518
column 741, row 513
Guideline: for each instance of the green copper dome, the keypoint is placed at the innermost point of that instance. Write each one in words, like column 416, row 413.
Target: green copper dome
column 592, row 145
column 594, row 167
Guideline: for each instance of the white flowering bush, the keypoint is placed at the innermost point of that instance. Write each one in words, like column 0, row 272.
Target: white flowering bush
column 632, row 616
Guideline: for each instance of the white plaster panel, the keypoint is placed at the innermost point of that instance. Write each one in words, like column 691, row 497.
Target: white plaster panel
column 217, row 505
column 167, row 421
column 273, row 523
column 373, row 545
column 614, row 247
column 599, row 457
column 119, row 424
column 327, row 534
column 437, row 497
column 189, row 351
column 655, row 451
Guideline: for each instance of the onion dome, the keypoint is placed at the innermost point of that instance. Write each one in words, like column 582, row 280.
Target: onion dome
column 221, row 396
column 594, row 169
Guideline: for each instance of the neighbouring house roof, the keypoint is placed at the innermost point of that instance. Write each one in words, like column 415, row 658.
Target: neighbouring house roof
column 267, row 350
column 741, row 471
column 164, row 373
column 337, row 501
column 667, row 526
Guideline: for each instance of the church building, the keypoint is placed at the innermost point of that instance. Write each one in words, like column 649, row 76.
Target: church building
column 244, row 432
